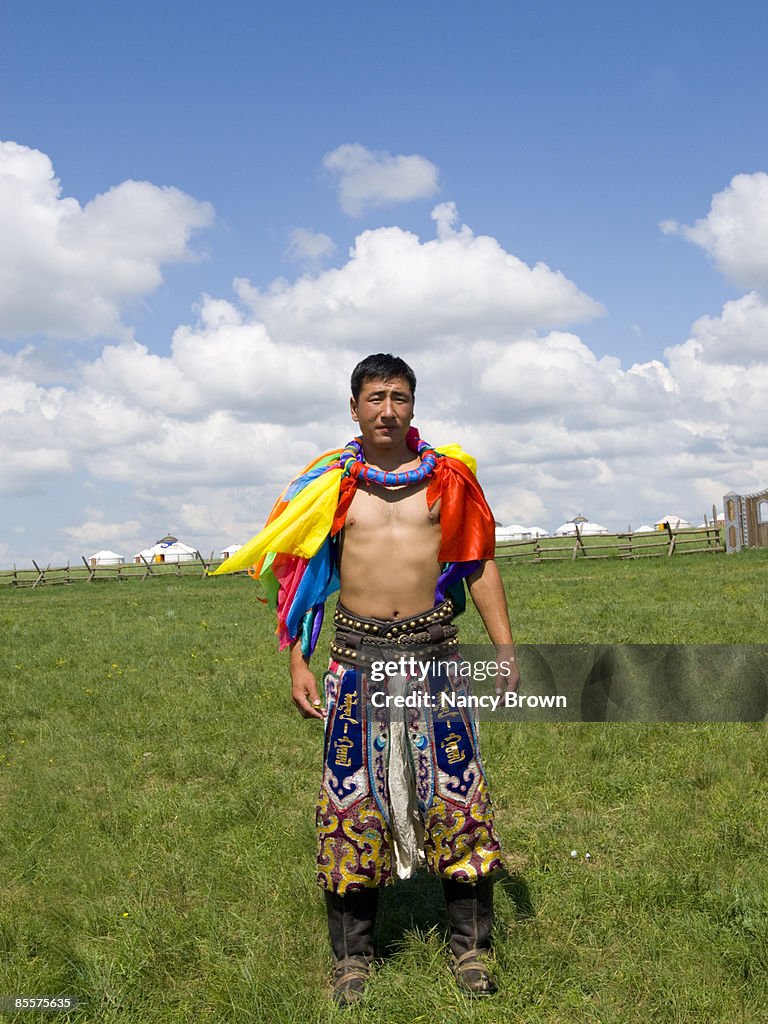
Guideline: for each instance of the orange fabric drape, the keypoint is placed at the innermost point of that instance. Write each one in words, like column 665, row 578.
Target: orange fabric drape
column 468, row 526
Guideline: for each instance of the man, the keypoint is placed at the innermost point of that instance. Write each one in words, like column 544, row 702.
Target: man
column 399, row 527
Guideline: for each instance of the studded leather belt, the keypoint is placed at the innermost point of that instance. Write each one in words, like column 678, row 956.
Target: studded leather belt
column 358, row 639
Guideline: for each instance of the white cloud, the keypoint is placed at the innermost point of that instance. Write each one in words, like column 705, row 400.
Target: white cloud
column 556, row 429
column 200, row 440
column 130, row 373
column 366, row 178
column 456, row 287
column 446, row 217
column 544, row 376
column 738, row 335
column 31, row 450
column 309, row 247
column 218, row 449
column 27, row 470
column 68, row 271
column 735, row 231
column 96, row 533
column 725, row 397
column 221, row 363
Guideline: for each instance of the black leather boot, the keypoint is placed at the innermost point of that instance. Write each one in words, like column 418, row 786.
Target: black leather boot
column 470, row 911
column 350, row 925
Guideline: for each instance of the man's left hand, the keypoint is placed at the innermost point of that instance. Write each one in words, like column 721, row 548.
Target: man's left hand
column 508, row 677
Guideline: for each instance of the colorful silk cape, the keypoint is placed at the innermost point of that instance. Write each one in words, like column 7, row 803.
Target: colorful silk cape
column 296, row 553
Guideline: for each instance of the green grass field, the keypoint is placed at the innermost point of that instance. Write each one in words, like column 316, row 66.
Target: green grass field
column 157, row 796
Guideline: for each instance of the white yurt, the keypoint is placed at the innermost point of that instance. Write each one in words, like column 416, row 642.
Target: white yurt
column 566, row 530
column 512, row 532
column 168, row 549
column 644, row 529
column 105, row 558
column 675, row 523
column 230, row 550
column 586, row 529
column 538, row 531
column 708, row 522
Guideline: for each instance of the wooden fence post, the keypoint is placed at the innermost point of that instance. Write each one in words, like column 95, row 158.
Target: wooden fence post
column 671, row 539
column 149, row 568
column 40, row 573
column 579, row 545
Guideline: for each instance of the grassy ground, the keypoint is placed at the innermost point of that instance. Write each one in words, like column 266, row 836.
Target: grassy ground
column 156, row 810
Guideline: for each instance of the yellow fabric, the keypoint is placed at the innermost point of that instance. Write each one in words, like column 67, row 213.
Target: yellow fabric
column 455, row 451
column 299, row 530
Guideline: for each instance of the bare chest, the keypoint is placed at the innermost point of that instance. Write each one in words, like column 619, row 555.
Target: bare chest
column 376, row 507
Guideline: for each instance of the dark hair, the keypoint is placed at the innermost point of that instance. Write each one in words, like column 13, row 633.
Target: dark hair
column 381, row 367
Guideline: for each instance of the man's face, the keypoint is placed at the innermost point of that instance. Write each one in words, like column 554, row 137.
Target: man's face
column 384, row 410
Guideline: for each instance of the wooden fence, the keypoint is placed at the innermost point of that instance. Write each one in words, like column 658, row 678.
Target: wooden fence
column 617, row 545
column 87, row 573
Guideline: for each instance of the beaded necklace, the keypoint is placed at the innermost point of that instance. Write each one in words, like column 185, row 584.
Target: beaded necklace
column 353, row 463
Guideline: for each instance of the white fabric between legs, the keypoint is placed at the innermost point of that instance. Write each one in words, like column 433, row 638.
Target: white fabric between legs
column 407, row 827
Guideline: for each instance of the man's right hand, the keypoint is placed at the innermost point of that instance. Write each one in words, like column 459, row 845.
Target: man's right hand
column 304, row 691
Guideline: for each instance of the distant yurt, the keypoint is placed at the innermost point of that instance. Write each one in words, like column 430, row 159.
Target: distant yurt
column 105, row 558
column 719, row 521
column 230, row 550
column 593, row 529
column 168, row 549
column 585, row 528
column 538, row 531
column 512, row 532
column 675, row 523
column 645, row 529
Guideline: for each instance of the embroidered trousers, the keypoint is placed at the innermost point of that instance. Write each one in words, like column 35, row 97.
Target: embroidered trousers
column 402, row 785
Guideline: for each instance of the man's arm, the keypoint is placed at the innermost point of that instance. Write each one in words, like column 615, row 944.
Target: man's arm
column 487, row 592
column 304, row 686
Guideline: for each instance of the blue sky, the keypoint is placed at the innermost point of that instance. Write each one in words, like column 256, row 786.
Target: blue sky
column 566, row 133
